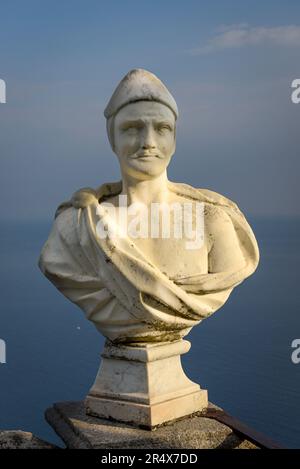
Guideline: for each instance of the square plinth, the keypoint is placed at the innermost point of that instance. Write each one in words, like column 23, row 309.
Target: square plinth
column 144, row 385
column 81, row 431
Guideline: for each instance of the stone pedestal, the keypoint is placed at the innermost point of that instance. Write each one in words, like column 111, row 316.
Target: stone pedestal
column 144, row 385
column 80, row 431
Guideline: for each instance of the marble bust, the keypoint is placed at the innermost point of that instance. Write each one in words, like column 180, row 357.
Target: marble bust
column 146, row 290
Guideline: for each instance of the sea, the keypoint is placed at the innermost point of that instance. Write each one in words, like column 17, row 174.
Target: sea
column 242, row 354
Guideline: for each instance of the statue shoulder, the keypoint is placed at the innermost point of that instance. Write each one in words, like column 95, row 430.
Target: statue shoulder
column 220, row 212
column 208, row 196
column 217, row 199
column 216, row 219
column 62, row 241
column 219, row 207
column 65, row 226
column 80, row 199
column 86, row 196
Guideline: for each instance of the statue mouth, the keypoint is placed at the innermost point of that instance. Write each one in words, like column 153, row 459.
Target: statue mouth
column 146, row 156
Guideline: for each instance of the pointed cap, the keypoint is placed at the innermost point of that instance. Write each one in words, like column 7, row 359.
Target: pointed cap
column 139, row 85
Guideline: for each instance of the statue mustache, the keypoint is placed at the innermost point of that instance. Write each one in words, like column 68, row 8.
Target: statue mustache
column 144, row 154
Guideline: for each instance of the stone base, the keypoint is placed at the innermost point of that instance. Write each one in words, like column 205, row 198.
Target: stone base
column 80, row 431
column 146, row 416
column 144, row 385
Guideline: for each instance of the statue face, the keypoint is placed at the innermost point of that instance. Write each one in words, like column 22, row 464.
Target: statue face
column 144, row 138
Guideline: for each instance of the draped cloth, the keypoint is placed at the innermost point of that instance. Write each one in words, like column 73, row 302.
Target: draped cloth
column 127, row 297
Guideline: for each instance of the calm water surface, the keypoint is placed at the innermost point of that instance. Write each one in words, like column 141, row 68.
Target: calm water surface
column 241, row 354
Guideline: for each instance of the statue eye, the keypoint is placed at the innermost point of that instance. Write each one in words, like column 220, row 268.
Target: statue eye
column 164, row 128
column 130, row 129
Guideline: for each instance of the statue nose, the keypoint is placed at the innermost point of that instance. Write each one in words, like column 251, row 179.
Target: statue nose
column 148, row 140
column 147, row 146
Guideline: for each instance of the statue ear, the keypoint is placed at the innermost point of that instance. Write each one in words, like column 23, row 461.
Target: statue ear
column 110, row 131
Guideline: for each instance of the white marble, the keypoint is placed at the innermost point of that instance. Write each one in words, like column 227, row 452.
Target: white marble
column 144, row 385
column 152, row 289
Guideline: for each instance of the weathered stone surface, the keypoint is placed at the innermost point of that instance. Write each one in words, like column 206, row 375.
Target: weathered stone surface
column 145, row 386
column 78, row 430
column 142, row 284
column 17, row 439
column 146, row 259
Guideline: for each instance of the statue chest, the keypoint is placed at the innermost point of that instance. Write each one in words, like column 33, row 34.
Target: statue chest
column 173, row 248
column 173, row 257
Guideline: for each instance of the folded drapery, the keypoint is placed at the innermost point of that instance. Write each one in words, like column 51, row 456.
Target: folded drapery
column 127, row 297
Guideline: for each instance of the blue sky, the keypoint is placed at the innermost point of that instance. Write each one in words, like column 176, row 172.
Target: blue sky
column 229, row 65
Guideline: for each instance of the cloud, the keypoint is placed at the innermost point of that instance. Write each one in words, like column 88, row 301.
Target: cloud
column 240, row 35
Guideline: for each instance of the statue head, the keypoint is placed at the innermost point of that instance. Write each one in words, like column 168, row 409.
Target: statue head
column 141, row 124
